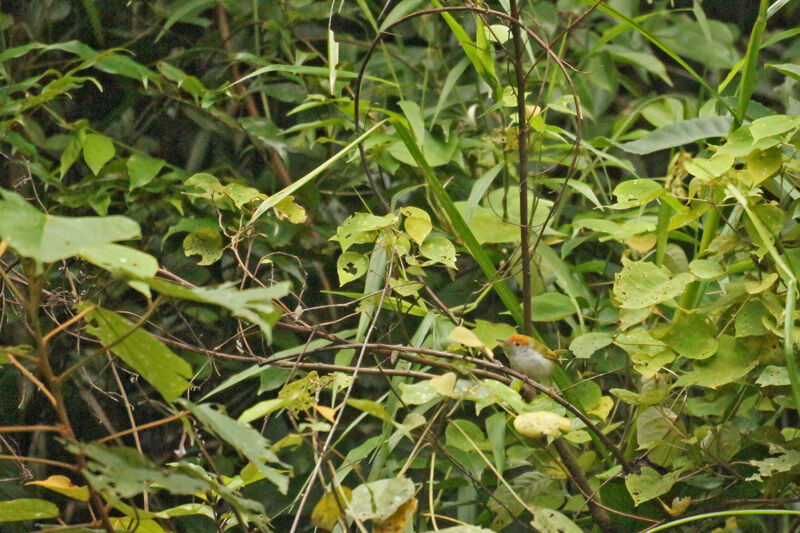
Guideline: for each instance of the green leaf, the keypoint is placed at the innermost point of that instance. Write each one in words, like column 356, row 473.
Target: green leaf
column 649, row 484
column 706, row 269
column 26, row 509
column 551, row 306
column 487, row 225
column 462, row 230
column 651, row 397
column 774, row 376
column 97, row 151
column 770, row 466
column 205, row 242
column 788, row 69
column 149, row 357
column 255, row 305
column 490, row 332
column 648, row 62
column 289, row 209
column 456, row 439
column 124, row 473
column 750, row 319
column 183, row 9
column 439, row 249
column 692, row 336
column 142, row 169
column 680, row 134
column 350, row 266
column 731, row 362
column 585, row 345
column 413, row 114
column 249, row 442
column 631, row 193
column 418, row 393
column 378, row 410
column 70, row 154
column 551, row 521
column 761, row 164
column 360, row 228
column 642, row 284
column 378, row 500
column 122, row 261
column 48, row 238
column 261, row 409
column 772, row 125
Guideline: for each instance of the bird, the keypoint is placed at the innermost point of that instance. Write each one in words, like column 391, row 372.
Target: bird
column 529, row 356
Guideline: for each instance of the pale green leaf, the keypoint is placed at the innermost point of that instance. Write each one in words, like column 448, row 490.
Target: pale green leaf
column 378, row 500
column 97, row 151
column 642, row 284
column 774, row 376
column 256, row 305
column 122, row 260
column 351, row 266
column 706, row 269
column 439, row 249
column 649, row 484
column 26, row 509
column 585, row 345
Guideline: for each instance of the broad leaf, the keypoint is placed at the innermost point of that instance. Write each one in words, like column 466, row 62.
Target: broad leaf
column 153, row 360
column 47, row 238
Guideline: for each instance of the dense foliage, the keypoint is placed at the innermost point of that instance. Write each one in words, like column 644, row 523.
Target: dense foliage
column 256, row 257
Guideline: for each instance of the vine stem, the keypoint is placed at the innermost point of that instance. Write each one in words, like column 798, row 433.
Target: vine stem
column 745, row 512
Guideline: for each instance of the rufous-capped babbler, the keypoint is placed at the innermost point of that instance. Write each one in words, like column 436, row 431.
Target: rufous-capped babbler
column 529, row 356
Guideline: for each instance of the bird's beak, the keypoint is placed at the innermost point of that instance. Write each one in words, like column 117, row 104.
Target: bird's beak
column 502, row 341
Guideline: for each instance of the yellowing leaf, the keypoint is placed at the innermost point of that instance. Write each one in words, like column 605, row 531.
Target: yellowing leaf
column 465, row 337
column 63, row 485
column 326, row 412
column 603, row 408
column 679, row 505
column 444, row 384
column 327, row 510
column 399, row 520
column 542, row 423
column 287, row 208
column 642, row 243
column 417, row 223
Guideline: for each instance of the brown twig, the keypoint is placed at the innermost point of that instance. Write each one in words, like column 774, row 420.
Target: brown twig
column 573, row 468
column 142, row 427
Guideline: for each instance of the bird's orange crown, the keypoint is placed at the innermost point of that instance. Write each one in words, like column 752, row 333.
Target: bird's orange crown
column 519, row 339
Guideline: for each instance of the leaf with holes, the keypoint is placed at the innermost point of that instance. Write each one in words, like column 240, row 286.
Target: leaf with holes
column 351, row 266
